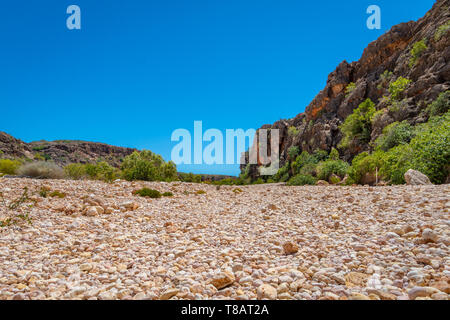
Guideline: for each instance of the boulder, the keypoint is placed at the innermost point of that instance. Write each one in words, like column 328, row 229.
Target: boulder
column 416, row 178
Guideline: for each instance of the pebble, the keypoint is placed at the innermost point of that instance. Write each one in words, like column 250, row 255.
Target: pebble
column 221, row 246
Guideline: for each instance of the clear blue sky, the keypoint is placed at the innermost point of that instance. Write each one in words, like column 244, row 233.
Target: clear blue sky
column 137, row 70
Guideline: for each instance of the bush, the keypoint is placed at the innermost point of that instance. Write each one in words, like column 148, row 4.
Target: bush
column 57, row 194
column 200, row 192
column 148, row 193
column 167, row 194
column 8, row 166
column 309, row 169
column 293, row 152
column 320, row 155
column 293, row 131
column 334, row 154
column 428, row 152
column 442, row 30
column 431, row 148
column 385, row 78
column 283, row 174
column 41, row 170
column 99, row 171
column 416, row 52
column 358, row 125
column 303, row 159
column 75, row 171
column 190, row 177
column 326, row 168
column 395, row 134
column 364, row 164
column 396, row 162
column 301, row 180
column 441, row 105
column 397, row 87
column 350, row 88
column 148, row 166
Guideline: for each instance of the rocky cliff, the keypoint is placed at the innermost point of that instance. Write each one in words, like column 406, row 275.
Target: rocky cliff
column 62, row 151
column 383, row 61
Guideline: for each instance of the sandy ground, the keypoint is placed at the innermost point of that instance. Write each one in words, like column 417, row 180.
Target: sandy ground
column 255, row 242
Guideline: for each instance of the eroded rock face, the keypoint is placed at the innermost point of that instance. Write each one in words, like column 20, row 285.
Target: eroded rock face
column 63, row 152
column 318, row 126
column 11, row 147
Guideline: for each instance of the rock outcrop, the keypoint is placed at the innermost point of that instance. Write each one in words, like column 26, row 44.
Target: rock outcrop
column 416, row 178
column 318, row 126
column 62, row 152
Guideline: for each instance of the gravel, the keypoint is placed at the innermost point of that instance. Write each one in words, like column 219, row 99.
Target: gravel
column 267, row 242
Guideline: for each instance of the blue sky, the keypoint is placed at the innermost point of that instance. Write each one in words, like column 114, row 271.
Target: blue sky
column 138, row 70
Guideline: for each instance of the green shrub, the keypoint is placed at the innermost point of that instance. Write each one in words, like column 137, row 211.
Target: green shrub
column 148, row 166
column 303, row 159
column 8, row 166
column 431, row 148
column 148, row 193
column 57, row 194
column 326, row 168
column 309, row 169
column 441, row 105
column 167, row 194
column 365, row 163
column 397, row 87
column 43, row 192
column 376, row 116
column 293, row 131
column 428, row 152
column 350, row 88
column 105, row 172
column 334, row 154
column 395, row 134
column 200, row 192
column 41, row 170
column 416, row 52
column 442, row 30
column 301, row 180
column 385, row 78
column 358, row 125
column 75, row 171
column 258, row 181
column 283, row 174
column 396, row 162
column 100, row 171
column 190, row 177
column 334, row 179
column 293, row 152
column 320, row 155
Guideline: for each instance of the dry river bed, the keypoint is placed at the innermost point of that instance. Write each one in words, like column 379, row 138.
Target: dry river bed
column 253, row 242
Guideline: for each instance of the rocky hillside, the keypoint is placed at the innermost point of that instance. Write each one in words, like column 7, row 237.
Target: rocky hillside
column 62, row 151
column 383, row 61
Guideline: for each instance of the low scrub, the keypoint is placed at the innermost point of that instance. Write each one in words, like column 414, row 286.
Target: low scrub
column 327, row 168
column 395, row 134
column 417, row 51
column 358, row 125
column 148, row 193
column 9, row 167
column 41, row 170
column 148, row 166
column 302, row 180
